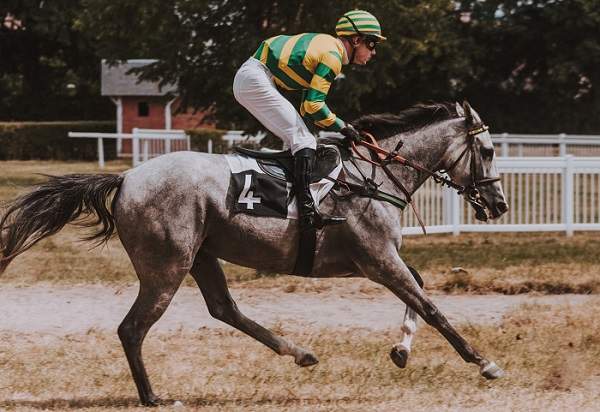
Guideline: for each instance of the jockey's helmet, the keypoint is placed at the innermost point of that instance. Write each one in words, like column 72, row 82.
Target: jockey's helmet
column 359, row 22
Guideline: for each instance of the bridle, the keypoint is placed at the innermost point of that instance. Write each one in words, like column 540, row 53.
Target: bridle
column 470, row 192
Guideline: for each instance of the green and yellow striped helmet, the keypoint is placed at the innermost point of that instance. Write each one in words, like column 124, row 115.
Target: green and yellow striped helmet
column 358, row 22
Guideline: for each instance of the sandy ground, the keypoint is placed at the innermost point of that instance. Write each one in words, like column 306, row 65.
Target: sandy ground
column 64, row 310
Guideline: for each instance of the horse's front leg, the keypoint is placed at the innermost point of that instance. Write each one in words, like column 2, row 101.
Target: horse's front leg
column 390, row 271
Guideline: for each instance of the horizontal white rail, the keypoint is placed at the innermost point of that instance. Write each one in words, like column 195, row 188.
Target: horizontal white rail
column 511, row 144
column 526, row 145
column 153, row 142
column 238, row 136
column 546, row 138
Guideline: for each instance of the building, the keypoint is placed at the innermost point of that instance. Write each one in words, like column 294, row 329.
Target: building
column 143, row 104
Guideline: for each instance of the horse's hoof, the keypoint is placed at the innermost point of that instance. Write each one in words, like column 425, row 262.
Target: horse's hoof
column 491, row 371
column 399, row 357
column 307, row 359
column 151, row 401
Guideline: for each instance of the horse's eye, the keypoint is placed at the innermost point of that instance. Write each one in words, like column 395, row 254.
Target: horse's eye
column 487, row 152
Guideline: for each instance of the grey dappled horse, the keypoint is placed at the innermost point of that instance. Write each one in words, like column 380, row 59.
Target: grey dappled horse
column 173, row 217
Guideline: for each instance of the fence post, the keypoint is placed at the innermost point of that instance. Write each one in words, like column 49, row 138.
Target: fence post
column 562, row 145
column 100, row 153
column 135, row 147
column 504, row 147
column 568, row 195
column 209, row 149
column 455, row 213
column 145, row 144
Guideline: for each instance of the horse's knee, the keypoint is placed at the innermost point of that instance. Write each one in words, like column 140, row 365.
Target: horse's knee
column 129, row 334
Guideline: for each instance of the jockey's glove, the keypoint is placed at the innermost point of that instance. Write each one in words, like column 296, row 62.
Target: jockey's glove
column 350, row 134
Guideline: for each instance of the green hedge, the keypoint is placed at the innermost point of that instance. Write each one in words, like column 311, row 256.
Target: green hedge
column 49, row 140
column 199, row 140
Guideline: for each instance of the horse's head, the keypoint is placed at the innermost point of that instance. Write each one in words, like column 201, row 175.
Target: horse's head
column 470, row 161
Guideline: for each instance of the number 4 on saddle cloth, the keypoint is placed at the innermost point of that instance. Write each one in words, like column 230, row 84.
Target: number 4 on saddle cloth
column 261, row 181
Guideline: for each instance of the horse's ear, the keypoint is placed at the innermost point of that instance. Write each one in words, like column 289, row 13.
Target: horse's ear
column 459, row 110
column 467, row 109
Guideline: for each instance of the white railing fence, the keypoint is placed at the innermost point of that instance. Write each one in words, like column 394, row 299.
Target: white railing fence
column 150, row 143
column 543, row 194
column 520, row 145
column 146, row 143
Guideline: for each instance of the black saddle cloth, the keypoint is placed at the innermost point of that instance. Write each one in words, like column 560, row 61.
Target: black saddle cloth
column 281, row 164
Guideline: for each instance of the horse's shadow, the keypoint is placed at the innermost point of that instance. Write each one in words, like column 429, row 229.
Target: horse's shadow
column 73, row 403
column 131, row 402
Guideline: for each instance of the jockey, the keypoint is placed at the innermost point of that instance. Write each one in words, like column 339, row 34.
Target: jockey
column 307, row 62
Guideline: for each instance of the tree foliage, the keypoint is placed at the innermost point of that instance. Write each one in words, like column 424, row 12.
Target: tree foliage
column 48, row 69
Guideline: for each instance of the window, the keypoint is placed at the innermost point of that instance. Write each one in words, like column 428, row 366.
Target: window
column 143, row 109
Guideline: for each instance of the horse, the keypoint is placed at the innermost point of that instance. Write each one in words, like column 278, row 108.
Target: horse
column 173, row 217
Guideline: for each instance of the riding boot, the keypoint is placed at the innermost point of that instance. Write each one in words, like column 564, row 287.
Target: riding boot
column 308, row 214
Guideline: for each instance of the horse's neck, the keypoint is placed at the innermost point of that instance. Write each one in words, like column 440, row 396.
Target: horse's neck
column 425, row 148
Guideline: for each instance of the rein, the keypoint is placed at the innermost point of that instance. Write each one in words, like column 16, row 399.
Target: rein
column 470, row 192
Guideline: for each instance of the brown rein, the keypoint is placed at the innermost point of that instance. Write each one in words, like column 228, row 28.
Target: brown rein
column 386, row 157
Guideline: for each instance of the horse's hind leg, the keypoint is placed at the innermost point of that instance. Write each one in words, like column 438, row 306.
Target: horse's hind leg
column 211, row 280
column 154, row 296
column 401, row 350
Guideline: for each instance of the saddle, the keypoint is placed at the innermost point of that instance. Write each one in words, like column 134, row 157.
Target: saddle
column 280, row 164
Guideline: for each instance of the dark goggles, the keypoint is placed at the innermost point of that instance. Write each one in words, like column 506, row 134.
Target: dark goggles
column 371, row 42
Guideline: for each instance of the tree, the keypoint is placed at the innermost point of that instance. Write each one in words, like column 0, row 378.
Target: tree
column 48, row 68
column 536, row 64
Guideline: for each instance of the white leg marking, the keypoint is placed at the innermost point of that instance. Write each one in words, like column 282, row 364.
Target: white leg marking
column 409, row 327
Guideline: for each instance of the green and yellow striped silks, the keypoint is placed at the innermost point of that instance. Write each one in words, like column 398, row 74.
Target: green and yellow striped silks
column 364, row 21
column 308, row 62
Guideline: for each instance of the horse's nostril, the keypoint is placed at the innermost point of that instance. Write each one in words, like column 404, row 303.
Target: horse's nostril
column 502, row 207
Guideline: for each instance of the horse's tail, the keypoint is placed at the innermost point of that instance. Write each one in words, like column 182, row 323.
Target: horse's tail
column 50, row 206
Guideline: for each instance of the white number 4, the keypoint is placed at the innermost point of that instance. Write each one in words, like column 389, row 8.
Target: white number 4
column 247, row 196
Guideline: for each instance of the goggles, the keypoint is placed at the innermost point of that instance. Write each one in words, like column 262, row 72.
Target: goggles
column 371, row 42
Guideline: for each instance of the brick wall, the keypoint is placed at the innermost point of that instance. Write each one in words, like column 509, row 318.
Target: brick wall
column 131, row 118
column 156, row 117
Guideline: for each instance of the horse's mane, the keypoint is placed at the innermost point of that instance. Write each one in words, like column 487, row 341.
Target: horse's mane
column 415, row 117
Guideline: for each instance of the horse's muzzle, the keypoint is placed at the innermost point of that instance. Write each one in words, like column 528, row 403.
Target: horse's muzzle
column 498, row 210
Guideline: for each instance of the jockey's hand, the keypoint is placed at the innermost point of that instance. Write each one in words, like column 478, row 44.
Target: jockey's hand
column 350, row 134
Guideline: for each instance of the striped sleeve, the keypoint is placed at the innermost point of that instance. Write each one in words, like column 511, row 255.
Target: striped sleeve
column 313, row 105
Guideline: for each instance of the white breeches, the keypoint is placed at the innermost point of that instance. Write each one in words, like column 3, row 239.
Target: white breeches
column 255, row 89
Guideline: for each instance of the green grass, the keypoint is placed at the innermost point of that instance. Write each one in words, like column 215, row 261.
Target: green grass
column 501, row 250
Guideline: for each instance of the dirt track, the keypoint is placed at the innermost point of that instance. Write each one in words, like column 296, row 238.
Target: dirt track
column 63, row 310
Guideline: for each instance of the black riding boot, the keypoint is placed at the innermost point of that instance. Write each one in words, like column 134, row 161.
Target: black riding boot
column 308, row 214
